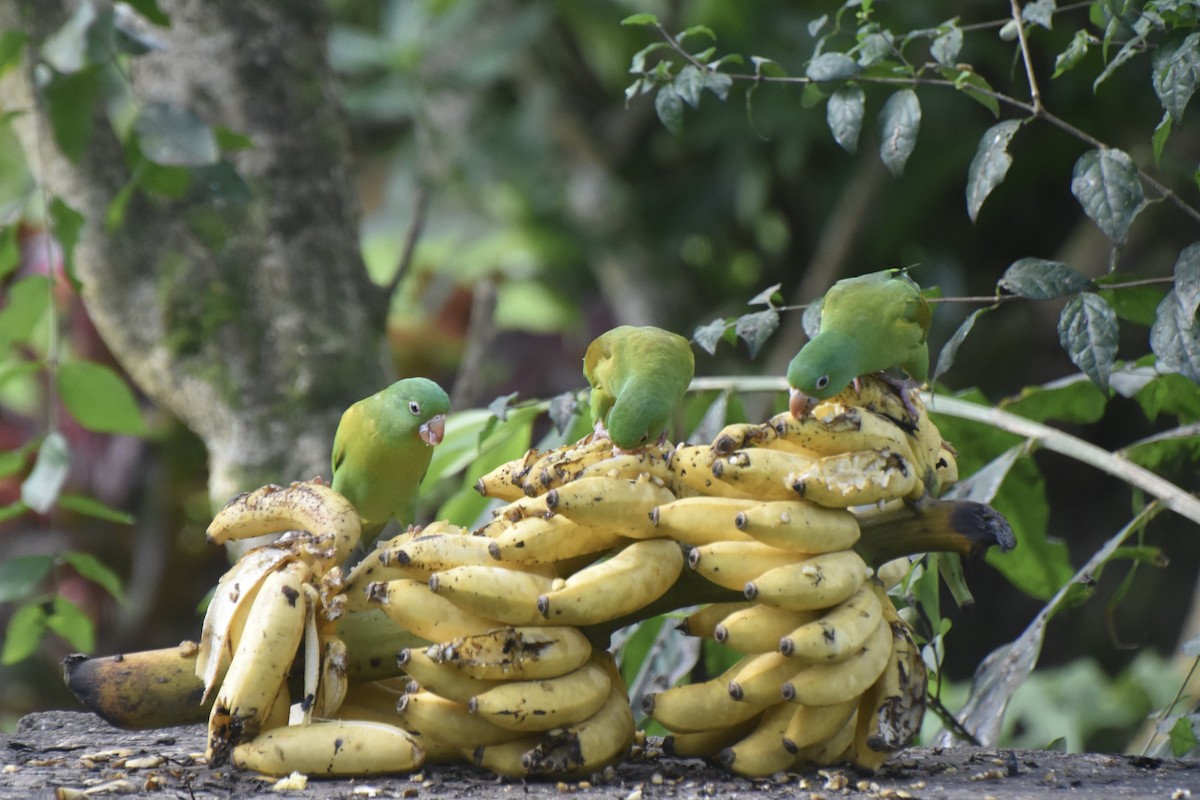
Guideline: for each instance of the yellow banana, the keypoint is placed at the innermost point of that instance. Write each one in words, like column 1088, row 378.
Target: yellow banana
column 504, row 482
column 306, row 506
column 628, row 580
column 149, row 689
column 437, row 551
column 650, row 463
column 260, row 662
column 734, row 564
column 509, row 513
column 701, row 520
column 879, row 397
column 818, row 582
column 616, row 503
column 544, row 704
column 761, row 472
column 761, row 752
column 701, row 706
column 812, row 725
column 741, row 435
column 703, row 621
column 859, row 478
column 590, row 745
column 833, row 749
column 692, row 471
column 341, row 748
column 446, row 721
column 839, row 632
column 334, row 682
column 829, row 683
column 760, row 680
column 441, row 678
column 412, row 606
column 502, row 593
column 833, row 428
column 565, row 464
column 757, row 628
column 507, row 758
column 372, row 569
column 704, row 744
column 799, row 525
column 891, row 573
column 520, row 653
column 540, row 540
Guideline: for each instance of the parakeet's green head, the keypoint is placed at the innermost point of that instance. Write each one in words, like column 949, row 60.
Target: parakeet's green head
column 419, row 403
column 821, row 369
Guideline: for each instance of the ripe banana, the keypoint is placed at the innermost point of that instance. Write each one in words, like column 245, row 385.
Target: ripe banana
column 334, row 682
column 757, row 628
column 734, row 564
column 620, row 504
column 839, row 632
column 504, row 482
column 761, row 752
column 441, row 678
column 521, row 653
column 811, row 725
column 540, row 540
column 703, row 621
column 331, row 748
column 148, row 689
column 701, row 520
column 761, row 472
column 818, row 582
column 692, row 473
column 416, row 609
column 586, row 747
column 701, row 706
column 856, row 479
column 650, row 463
column 564, row 465
column 760, row 680
column 829, row 683
column 446, row 721
column 260, row 661
column 508, row 595
column 437, row 551
column 628, row 580
column 539, row 705
column 306, row 506
column 833, row 749
column 741, row 435
column 833, row 428
column 800, row 526
column 507, row 759
column 704, row 744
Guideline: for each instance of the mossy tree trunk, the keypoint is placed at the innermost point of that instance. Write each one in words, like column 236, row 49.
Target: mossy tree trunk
column 253, row 321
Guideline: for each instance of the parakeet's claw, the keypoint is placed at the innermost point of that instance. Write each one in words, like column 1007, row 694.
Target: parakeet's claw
column 599, row 431
column 904, row 387
column 800, row 404
column 431, row 432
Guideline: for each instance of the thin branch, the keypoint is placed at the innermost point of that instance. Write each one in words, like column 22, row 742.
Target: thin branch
column 1035, row 94
column 415, row 225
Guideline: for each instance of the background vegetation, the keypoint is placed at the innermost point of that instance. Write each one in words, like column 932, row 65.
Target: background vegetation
column 532, row 173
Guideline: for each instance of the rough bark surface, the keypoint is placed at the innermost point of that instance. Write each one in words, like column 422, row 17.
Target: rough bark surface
column 79, row 751
column 253, row 322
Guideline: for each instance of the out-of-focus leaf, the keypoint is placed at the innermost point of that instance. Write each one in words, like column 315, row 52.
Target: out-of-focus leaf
column 69, row 100
column 563, row 409
column 754, row 329
column 640, row 19
column 1171, row 394
column 669, row 107
column 1039, row 279
column 946, row 47
column 1159, row 140
column 1039, row 12
column 68, row 226
column 1107, row 185
column 95, row 571
column 11, row 45
column 28, row 299
column 875, row 48
column 974, row 86
column 810, row 320
column 500, row 407
column 990, row 164
column 175, row 137
column 98, row 399
column 1068, row 59
column 718, row 83
column 68, row 621
column 899, row 122
column 24, row 633
column 951, row 569
column 1130, row 47
column 69, row 49
column 20, row 576
column 713, row 420
column 1187, row 281
column 1088, row 331
column 223, row 184
column 689, row 83
column 150, row 10
column 767, row 297
column 1075, row 399
column 90, row 506
column 950, row 349
column 1183, row 737
column 1176, row 74
column 1176, row 340
column 710, row 335
column 1137, row 304
column 844, row 113
column 832, row 67
column 40, row 489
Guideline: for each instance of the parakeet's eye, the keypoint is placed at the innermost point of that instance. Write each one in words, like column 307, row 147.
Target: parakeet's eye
column 822, row 382
column 414, row 407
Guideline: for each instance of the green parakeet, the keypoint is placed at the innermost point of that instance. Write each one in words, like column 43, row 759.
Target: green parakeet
column 869, row 323
column 637, row 375
column 382, row 449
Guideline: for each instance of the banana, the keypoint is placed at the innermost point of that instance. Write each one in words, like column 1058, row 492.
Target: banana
column 703, row 621
column 260, row 661
column 761, row 752
column 372, row 569
column 800, row 526
column 760, row 680
column 437, row 550
column 741, row 435
column 412, row 606
column 649, row 463
column 833, row 428
column 628, row 580
column 342, row 748
column 504, row 482
column 507, row 514
column 734, row 564
column 761, row 472
column 811, row 725
column 565, row 464
column 892, row 573
column 148, row 689
column 502, row 593
column 589, row 746
column 539, row 705
column 507, row 759
column 833, row 749
column 540, row 540
column 334, row 682
column 879, row 397
column 372, row 641
column 830, row 683
column 521, row 653
column 692, row 472
column 620, row 504
column 446, row 721
column 757, row 628
column 695, row 707
column 441, row 678
column 306, row 505
column 707, row 743
column 859, row 478
column 818, row 582
column 701, row 520
column 840, row 632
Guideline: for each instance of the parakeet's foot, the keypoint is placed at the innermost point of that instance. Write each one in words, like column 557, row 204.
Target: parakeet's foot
column 904, row 386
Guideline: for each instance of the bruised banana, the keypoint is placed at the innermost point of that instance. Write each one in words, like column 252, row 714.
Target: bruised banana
column 758, row 628
column 799, row 525
column 741, row 435
column 830, row 683
column 614, row 503
column 540, row 705
column 859, row 478
column 431, row 616
column 516, row 653
column 504, row 482
column 815, row 583
column 839, row 632
column 507, row 758
column 564, row 465
column 630, row 579
column 700, row 520
column 734, row 564
column 588, row 746
column 148, row 689
column 306, row 505
column 541, row 540
column 760, row 472
column 446, row 721
column 833, row 428
column 334, row 682
column 650, row 463
column 333, row 748
column 508, row 595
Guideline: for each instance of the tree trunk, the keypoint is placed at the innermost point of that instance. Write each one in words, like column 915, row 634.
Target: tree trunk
column 255, row 322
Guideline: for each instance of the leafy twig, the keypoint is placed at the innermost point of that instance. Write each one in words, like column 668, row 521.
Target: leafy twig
column 1035, row 94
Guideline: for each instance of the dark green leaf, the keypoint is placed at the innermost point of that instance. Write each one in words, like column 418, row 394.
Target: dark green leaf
column 69, row 101
column 223, row 184
column 899, row 121
column 1039, row 12
column 40, row 489
column 68, row 226
column 1076, row 50
column 11, row 45
column 173, row 136
column 1169, row 452
column 20, row 576
column 1183, row 737
column 767, row 297
column 640, row 19
column 718, row 83
column 1088, row 331
column 1130, row 48
column 1039, row 279
column 991, row 163
column 229, row 140
column 28, row 299
column 754, row 329
column 946, row 47
column 974, row 86
column 1038, row 565
column 950, row 349
column 90, row 506
column 832, row 67
column 1187, row 280
column 150, row 10
column 710, row 335
column 669, row 107
column 1137, row 304
column 1171, row 394
column 563, row 409
column 1176, row 74
column 1159, row 140
column 68, row 621
column 1175, row 339
column 98, row 398
column 1074, row 399
column 689, row 83
column 95, row 571
column 24, row 633
column 169, row 182
column 844, row 113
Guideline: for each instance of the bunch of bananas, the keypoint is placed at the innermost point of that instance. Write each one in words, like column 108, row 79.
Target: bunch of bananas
column 490, row 645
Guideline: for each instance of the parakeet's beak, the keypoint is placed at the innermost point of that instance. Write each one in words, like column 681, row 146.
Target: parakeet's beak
column 431, row 432
column 800, row 404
